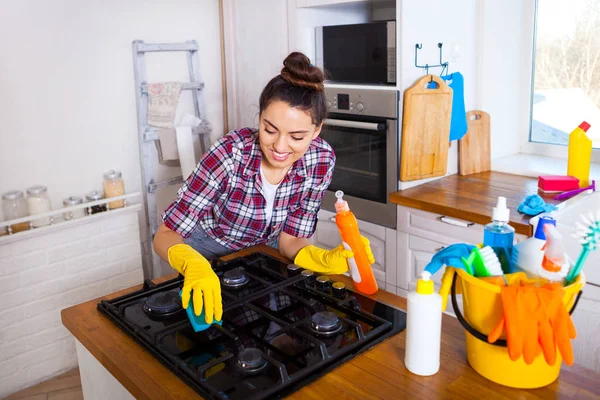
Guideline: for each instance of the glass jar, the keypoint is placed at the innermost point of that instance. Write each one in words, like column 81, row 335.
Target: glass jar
column 70, row 202
column 38, row 202
column 113, row 187
column 14, row 206
column 95, row 196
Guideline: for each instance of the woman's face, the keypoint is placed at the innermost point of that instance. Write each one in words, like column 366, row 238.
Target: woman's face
column 285, row 134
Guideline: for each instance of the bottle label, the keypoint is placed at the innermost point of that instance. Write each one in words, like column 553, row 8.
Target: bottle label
column 353, row 267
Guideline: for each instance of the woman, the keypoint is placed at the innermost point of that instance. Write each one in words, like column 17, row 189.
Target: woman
column 256, row 187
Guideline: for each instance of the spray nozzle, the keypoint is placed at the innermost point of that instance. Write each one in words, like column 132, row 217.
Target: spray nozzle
column 501, row 212
column 341, row 205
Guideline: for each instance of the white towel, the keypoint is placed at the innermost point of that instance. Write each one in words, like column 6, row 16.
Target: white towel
column 167, row 145
column 185, row 143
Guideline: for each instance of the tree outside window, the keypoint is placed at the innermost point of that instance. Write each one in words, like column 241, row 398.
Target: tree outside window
column 566, row 81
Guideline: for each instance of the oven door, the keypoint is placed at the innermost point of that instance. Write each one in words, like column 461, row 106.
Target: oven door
column 366, row 150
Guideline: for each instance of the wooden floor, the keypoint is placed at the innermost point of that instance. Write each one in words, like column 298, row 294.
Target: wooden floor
column 64, row 387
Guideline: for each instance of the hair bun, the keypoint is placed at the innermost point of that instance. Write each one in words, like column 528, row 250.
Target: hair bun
column 298, row 71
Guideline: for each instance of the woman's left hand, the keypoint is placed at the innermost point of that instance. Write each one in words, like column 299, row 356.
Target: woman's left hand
column 334, row 261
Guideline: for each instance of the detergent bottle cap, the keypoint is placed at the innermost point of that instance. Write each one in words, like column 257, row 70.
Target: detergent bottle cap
column 341, row 205
column 425, row 284
column 584, row 126
column 539, row 230
column 500, row 212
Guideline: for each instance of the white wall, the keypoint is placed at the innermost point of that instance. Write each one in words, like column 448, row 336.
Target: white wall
column 506, row 32
column 67, row 105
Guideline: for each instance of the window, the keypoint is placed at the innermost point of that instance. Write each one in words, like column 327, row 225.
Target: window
column 566, row 75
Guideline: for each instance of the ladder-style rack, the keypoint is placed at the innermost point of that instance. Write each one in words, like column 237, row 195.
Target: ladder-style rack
column 148, row 135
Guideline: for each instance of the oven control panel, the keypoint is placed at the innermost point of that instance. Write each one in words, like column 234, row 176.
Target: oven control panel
column 381, row 103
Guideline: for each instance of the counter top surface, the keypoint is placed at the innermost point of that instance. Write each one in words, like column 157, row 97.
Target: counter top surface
column 472, row 197
column 378, row 373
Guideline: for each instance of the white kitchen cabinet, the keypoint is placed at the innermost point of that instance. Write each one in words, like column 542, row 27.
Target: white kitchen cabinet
column 254, row 53
column 383, row 244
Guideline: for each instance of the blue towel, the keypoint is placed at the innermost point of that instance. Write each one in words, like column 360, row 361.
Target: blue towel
column 534, row 205
column 458, row 121
column 450, row 256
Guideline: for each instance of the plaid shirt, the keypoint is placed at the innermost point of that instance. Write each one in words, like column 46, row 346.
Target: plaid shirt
column 224, row 194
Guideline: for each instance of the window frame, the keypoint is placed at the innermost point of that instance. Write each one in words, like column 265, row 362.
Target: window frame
column 527, row 145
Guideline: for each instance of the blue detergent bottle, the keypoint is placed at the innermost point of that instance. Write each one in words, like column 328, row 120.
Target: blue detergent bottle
column 500, row 236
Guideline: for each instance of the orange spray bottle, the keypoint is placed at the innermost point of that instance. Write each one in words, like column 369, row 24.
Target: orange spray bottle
column 360, row 267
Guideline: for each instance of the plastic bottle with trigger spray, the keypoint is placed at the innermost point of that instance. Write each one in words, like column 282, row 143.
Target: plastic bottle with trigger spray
column 360, row 267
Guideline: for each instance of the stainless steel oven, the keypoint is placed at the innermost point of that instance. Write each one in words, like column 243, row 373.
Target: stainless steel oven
column 362, row 128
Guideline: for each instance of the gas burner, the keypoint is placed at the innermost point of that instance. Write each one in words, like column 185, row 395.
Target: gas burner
column 163, row 304
column 250, row 360
column 234, row 279
column 325, row 323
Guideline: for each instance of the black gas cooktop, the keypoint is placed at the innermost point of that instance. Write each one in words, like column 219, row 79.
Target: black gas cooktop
column 282, row 328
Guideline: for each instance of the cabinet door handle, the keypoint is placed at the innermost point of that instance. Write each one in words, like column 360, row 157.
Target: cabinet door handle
column 455, row 222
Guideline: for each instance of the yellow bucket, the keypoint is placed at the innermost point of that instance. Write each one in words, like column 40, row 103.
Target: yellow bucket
column 482, row 306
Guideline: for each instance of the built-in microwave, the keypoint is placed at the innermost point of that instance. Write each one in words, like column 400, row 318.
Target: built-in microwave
column 359, row 53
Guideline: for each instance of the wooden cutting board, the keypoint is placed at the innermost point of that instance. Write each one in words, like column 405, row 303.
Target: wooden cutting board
column 425, row 130
column 474, row 147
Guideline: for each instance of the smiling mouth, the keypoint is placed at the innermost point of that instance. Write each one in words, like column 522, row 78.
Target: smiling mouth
column 280, row 156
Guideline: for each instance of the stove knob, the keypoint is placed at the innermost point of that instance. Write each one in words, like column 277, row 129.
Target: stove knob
column 328, row 104
column 338, row 290
column 360, row 106
column 323, row 283
column 293, row 270
column 310, row 277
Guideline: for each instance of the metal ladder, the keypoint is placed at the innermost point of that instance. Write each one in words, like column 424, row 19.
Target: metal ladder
column 147, row 135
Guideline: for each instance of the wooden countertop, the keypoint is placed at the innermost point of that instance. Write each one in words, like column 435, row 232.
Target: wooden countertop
column 378, row 373
column 472, row 197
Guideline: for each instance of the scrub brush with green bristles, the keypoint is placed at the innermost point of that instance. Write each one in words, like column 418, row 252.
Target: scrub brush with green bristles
column 483, row 262
column 589, row 237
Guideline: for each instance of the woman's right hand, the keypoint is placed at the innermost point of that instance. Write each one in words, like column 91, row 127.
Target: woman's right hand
column 200, row 283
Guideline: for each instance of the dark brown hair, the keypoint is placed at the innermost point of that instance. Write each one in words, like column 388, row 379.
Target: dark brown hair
column 300, row 84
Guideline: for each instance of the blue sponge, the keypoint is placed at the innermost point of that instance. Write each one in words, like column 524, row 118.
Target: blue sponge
column 198, row 321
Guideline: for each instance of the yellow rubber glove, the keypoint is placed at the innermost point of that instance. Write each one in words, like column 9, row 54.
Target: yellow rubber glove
column 333, row 261
column 200, row 278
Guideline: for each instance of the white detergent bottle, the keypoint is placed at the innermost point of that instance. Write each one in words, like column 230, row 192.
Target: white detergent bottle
column 423, row 328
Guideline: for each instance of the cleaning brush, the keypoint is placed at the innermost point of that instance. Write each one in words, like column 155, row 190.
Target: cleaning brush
column 483, row 262
column 491, row 262
column 588, row 235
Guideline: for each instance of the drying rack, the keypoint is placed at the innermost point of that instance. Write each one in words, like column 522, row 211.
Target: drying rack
column 149, row 135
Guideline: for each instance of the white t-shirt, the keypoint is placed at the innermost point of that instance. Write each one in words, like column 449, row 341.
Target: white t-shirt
column 269, row 194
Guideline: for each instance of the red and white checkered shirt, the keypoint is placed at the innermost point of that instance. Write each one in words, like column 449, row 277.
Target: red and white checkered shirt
column 224, row 193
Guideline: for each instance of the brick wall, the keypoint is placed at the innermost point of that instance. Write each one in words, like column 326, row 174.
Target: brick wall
column 53, row 269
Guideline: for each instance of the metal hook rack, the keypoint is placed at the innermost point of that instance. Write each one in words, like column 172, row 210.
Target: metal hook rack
column 443, row 64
